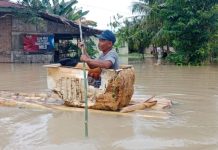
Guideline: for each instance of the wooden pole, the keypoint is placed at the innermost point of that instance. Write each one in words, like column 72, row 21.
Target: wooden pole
column 85, row 85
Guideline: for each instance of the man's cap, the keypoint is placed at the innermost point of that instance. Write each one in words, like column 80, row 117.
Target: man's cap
column 107, row 35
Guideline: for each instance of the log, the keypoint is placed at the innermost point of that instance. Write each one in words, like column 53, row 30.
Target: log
column 52, row 107
column 50, row 101
column 140, row 106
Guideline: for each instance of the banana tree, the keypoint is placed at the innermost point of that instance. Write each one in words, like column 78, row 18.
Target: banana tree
column 60, row 8
column 67, row 9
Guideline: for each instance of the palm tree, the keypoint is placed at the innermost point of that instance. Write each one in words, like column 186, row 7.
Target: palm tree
column 150, row 20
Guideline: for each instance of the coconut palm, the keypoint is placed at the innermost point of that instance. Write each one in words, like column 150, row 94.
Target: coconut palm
column 143, row 25
column 149, row 17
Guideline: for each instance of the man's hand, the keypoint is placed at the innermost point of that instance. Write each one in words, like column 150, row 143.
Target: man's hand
column 81, row 45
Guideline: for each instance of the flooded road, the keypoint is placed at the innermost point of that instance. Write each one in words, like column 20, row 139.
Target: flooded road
column 191, row 124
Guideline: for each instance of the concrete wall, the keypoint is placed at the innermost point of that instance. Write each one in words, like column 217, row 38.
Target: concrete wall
column 5, row 38
column 20, row 57
column 124, row 49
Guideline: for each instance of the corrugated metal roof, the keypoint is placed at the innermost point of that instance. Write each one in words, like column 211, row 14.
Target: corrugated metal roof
column 52, row 17
column 9, row 4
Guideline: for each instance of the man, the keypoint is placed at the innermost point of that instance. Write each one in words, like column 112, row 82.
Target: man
column 109, row 57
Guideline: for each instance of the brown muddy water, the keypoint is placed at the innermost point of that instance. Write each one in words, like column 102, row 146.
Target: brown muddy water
column 191, row 124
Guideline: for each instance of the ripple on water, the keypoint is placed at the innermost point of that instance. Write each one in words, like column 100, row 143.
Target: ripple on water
column 25, row 127
column 141, row 142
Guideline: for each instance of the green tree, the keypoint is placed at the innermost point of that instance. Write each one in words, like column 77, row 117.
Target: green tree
column 66, row 9
column 191, row 24
column 213, row 41
column 91, row 48
column 212, row 46
column 60, row 8
column 30, row 13
column 143, row 29
column 188, row 26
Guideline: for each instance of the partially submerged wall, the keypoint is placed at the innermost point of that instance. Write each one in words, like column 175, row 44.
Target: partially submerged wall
column 5, row 38
column 20, row 57
column 44, row 27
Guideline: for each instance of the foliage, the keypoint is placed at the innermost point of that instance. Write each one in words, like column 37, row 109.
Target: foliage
column 191, row 24
column 116, row 23
column 91, row 47
column 141, row 30
column 177, row 58
column 212, row 46
column 66, row 9
column 60, row 8
column 190, row 27
column 136, row 39
column 30, row 13
column 72, row 50
column 36, row 5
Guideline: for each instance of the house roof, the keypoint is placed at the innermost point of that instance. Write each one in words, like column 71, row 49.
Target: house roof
column 8, row 6
column 61, row 19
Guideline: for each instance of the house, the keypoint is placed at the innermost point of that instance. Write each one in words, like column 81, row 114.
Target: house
column 22, row 42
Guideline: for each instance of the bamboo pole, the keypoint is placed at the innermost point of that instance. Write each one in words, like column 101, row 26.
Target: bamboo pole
column 85, row 85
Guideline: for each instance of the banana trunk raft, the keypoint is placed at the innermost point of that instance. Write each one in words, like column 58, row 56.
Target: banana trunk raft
column 113, row 94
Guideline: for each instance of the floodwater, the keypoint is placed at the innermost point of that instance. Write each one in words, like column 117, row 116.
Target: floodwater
column 191, row 124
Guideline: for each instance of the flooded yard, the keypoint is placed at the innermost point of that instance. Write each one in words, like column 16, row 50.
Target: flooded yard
column 191, row 124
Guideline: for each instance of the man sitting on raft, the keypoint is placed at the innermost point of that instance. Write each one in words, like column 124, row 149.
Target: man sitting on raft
column 109, row 57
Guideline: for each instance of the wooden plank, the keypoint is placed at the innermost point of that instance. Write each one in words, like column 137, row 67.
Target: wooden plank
column 52, row 107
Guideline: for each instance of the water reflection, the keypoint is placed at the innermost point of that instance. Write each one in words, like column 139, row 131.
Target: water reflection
column 191, row 123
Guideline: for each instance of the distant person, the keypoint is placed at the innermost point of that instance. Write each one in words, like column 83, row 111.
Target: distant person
column 109, row 57
column 159, row 55
column 159, row 52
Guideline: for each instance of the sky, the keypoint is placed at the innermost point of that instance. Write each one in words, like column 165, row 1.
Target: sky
column 102, row 11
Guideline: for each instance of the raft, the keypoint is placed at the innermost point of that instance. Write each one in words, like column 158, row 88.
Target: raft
column 115, row 91
column 49, row 101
